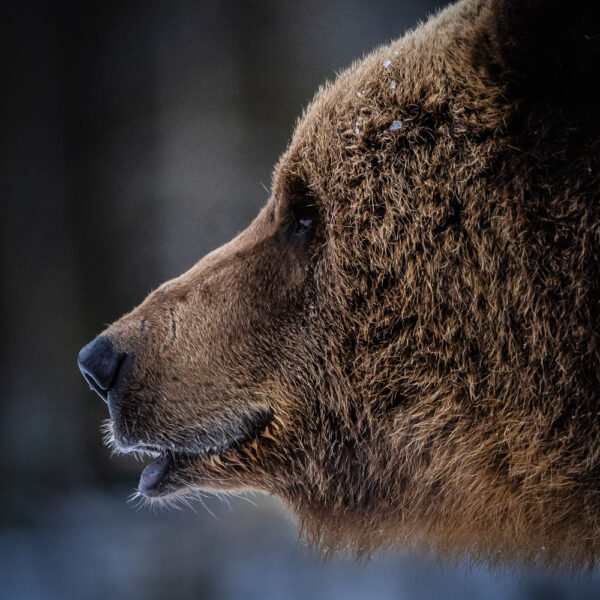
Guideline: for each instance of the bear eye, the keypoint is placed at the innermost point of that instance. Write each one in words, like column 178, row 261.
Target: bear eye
column 302, row 213
column 303, row 219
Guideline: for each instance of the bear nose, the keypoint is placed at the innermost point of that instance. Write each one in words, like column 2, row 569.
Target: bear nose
column 99, row 363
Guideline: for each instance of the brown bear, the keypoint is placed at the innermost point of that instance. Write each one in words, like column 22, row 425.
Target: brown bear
column 404, row 343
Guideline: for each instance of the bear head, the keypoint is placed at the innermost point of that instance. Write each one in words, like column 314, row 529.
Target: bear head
column 403, row 345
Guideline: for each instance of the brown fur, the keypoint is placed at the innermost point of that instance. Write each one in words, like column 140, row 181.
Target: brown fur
column 429, row 351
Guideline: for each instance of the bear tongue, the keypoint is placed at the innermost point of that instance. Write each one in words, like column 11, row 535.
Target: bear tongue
column 154, row 474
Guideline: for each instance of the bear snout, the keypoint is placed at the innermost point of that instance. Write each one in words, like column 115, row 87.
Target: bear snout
column 99, row 363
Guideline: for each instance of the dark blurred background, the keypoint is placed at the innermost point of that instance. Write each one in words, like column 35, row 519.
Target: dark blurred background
column 137, row 137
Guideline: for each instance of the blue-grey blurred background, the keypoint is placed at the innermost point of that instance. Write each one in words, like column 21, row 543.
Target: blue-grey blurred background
column 139, row 135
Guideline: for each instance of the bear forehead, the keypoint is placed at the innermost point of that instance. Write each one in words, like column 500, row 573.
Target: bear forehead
column 373, row 103
column 363, row 102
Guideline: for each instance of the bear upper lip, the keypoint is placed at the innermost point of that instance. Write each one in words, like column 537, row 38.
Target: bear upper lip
column 209, row 442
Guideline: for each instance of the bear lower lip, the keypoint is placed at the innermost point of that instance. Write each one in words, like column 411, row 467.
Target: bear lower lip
column 162, row 476
column 153, row 476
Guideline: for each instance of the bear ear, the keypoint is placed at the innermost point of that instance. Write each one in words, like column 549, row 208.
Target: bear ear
column 548, row 47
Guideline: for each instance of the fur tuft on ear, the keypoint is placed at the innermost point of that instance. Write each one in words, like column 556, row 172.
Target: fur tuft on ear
column 548, row 47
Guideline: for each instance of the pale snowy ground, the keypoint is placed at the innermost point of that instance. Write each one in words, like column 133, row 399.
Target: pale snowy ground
column 94, row 545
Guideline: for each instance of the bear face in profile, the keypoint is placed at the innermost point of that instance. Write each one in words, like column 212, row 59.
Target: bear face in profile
column 403, row 345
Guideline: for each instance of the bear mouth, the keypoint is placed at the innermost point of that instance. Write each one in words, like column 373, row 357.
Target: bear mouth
column 162, row 476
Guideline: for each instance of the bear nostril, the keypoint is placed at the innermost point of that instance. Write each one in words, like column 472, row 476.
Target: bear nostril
column 99, row 363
